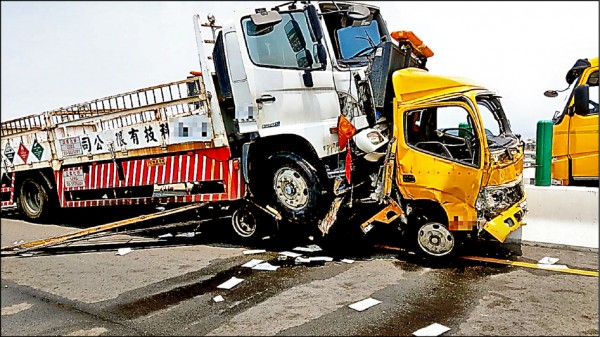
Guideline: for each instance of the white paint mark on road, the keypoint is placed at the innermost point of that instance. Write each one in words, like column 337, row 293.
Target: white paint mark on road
column 13, row 309
column 91, row 332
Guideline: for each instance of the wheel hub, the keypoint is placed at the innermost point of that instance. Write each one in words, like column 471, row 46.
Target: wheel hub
column 244, row 222
column 32, row 198
column 435, row 239
column 291, row 188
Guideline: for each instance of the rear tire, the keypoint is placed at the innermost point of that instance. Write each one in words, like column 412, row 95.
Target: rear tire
column 244, row 223
column 35, row 199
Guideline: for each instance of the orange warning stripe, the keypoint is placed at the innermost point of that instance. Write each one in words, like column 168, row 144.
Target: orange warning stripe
column 514, row 263
column 531, row 265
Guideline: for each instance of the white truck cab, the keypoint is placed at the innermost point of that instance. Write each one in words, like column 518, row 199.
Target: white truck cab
column 293, row 80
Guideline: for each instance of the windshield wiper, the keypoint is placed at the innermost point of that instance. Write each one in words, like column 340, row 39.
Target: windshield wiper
column 371, row 42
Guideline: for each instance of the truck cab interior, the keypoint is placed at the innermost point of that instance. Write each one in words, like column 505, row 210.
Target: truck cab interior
column 432, row 131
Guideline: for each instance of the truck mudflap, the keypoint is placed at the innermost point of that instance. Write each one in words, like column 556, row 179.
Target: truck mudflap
column 507, row 222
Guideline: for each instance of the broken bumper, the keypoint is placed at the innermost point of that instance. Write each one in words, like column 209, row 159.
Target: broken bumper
column 507, row 222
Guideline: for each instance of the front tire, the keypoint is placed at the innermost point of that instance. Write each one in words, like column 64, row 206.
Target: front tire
column 296, row 187
column 35, row 200
column 434, row 240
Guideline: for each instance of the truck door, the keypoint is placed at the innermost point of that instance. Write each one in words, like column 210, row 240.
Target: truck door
column 275, row 62
column 439, row 158
column 583, row 133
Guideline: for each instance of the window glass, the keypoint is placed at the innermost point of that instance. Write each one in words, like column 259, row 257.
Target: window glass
column 594, row 93
column 281, row 45
column 354, row 39
column 445, row 131
column 489, row 121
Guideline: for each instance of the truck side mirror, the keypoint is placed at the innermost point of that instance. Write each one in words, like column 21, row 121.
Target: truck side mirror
column 294, row 36
column 304, row 59
column 322, row 55
column 262, row 17
column 315, row 26
column 582, row 99
column 358, row 12
column 313, row 20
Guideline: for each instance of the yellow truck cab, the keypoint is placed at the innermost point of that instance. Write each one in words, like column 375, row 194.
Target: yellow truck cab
column 575, row 130
column 458, row 164
column 452, row 171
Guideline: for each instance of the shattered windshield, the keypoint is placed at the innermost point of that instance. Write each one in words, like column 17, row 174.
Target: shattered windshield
column 497, row 127
column 357, row 41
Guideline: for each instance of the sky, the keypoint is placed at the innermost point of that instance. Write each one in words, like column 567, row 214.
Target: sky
column 58, row 53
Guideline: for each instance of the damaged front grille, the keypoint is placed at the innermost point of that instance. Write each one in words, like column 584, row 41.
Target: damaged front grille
column 493, row 200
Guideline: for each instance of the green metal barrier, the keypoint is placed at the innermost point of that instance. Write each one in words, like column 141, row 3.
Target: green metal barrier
column 463, row 125
column 543, row 154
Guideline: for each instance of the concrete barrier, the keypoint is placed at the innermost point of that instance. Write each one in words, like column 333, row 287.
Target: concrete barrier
column 562, row 215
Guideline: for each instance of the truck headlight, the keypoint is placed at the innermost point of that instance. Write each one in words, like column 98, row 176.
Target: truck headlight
column 492, row 200
column 369, row 140
column 375, row 137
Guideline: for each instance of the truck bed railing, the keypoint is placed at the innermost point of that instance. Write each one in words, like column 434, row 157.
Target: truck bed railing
column 147, row 104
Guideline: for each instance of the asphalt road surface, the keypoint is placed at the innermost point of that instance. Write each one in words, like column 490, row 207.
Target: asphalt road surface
column 167, row 287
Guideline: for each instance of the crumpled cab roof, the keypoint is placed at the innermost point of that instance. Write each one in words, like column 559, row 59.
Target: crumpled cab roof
column 414, row 83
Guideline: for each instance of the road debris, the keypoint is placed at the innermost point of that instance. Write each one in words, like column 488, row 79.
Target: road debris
column 252, row 263
column 123, row 251
column 347, row 261
column 326, row 223
column 106, row 229
column 186, row 235
column 548, row 260
column 308, row 249
column 254, row 251
column 26, row 254
column 301, row 259
column 290, row 254
column 265, row 266
column 434, row 329
column 321, row 258
column 364, row 304
column 317, row 259
column 218, row 299
column 168, row 235
column 232, row 282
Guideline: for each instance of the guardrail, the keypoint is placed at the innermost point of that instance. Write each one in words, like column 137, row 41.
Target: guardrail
column 562, row 215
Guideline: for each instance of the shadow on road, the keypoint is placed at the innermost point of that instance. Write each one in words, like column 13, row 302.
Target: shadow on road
column 201, row 227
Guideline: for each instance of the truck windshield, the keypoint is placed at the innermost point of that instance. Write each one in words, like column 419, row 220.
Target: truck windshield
column 594, row 93
column 566, row 97
column 272, row 46
column 497, row 127
column 357, row 41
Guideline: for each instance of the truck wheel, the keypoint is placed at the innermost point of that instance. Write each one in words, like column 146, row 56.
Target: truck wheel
column 296, row 186
column 244, row 223
column 35, row 199
column 435, row 240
